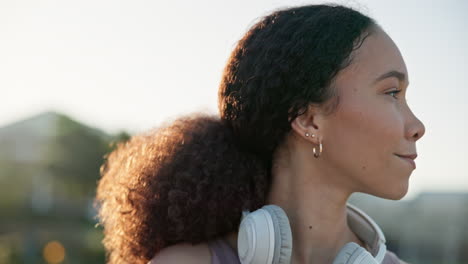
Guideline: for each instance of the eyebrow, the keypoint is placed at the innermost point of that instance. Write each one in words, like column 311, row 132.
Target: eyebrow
column 399, row 75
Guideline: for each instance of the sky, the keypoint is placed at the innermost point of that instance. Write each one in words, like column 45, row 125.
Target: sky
column 130, row 65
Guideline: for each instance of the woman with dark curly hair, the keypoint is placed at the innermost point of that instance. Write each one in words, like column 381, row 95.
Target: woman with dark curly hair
column 312, row 109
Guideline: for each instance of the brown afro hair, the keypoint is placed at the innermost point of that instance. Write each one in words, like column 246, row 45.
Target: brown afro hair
column 181, row 182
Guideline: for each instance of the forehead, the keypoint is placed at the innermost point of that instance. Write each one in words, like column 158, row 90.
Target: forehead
column 377, row 56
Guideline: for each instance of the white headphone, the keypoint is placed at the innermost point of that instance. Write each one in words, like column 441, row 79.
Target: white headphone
column 265, row 238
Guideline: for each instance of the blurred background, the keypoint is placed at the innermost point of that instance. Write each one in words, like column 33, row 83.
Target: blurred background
column 79, row 76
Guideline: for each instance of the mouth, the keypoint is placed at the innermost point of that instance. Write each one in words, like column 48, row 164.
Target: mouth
column 409, row 156
column 409, row 159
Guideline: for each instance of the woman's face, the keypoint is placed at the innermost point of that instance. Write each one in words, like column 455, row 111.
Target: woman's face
column 373, row 123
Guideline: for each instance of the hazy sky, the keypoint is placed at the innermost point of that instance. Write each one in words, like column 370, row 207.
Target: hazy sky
column 128, row 65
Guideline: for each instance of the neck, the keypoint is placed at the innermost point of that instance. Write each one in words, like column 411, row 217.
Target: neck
column 316, row 208
column 314, row 199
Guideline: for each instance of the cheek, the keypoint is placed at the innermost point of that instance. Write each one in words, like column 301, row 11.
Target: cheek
column 366, row 134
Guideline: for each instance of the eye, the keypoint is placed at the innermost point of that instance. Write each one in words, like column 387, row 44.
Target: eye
column 394, row 92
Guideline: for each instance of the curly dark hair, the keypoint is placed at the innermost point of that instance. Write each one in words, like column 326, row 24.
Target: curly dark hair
column 190, row 179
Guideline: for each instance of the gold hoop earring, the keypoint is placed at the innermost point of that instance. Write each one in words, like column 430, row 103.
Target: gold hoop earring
column 320, row 150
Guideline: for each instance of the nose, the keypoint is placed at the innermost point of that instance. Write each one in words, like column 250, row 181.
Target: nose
column 416, row 128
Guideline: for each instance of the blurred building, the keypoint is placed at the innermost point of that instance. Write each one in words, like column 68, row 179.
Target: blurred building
column 431, row 228
column 49, row 166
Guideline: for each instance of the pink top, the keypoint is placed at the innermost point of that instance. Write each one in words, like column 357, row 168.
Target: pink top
column 222, row 253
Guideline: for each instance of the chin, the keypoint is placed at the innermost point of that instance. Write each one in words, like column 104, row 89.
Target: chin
column 398, row 196
column 397, row 193
column 394, row 192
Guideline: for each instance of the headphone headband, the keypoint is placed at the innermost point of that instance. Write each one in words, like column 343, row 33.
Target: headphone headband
column 366, row 229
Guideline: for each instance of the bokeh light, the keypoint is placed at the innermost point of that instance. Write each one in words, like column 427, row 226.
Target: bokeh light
column 54, row 252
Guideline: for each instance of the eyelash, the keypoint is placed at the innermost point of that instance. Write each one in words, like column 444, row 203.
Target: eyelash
column 394, row 91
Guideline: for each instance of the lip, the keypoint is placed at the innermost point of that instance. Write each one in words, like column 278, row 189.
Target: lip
column 410, row 156
column 409, row 159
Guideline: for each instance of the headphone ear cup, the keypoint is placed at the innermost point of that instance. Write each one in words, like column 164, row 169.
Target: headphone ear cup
column 265, row 237
column 352, row 253
column 283, row 235
column 255, row 241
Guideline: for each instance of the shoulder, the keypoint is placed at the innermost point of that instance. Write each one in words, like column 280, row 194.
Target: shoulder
column 183, row 253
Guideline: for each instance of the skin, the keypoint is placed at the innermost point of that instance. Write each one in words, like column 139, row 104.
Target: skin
column 360, row 139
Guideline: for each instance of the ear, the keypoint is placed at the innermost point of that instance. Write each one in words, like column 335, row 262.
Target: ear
column 310, row 123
